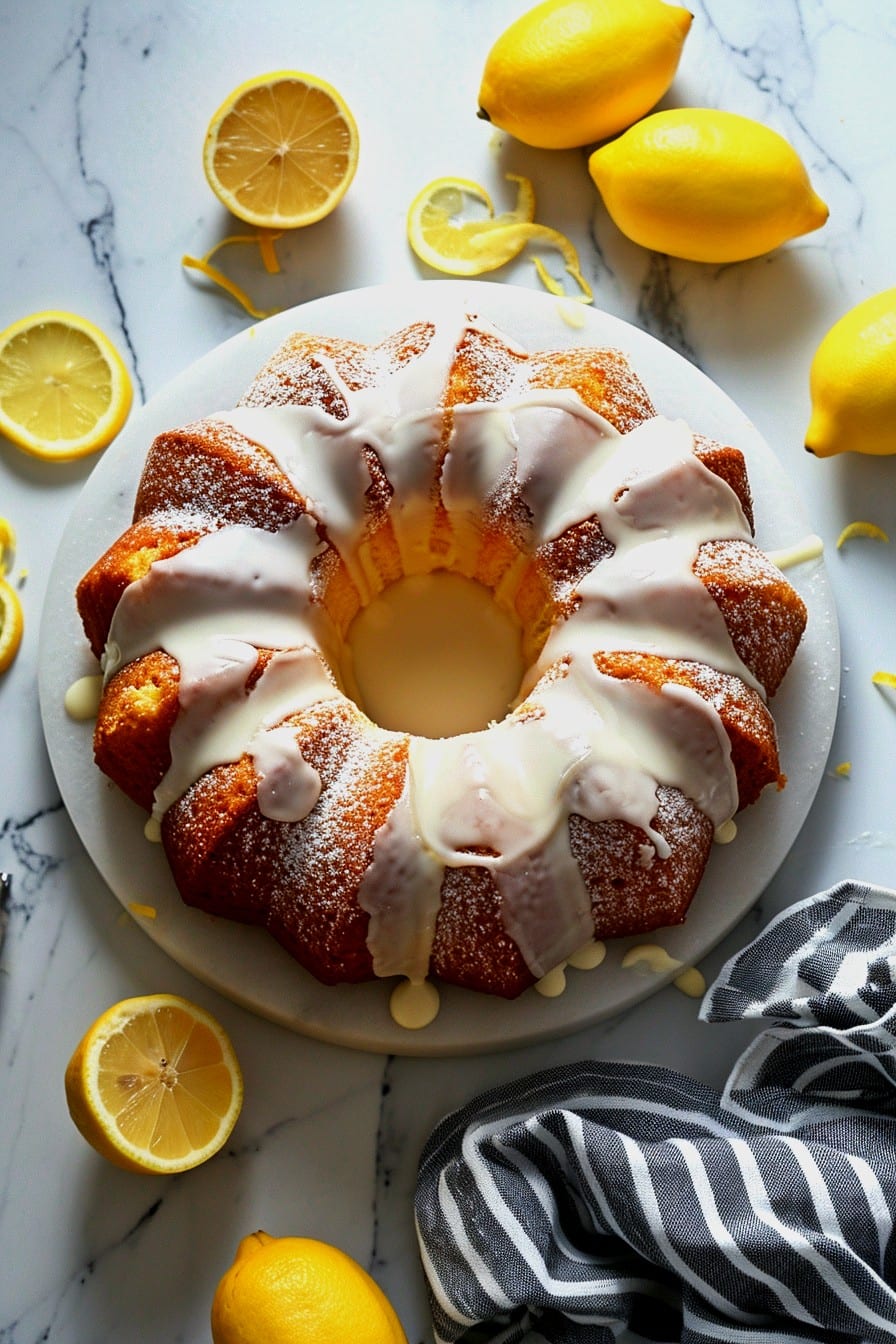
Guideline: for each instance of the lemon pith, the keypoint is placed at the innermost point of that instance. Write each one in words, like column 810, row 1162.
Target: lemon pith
column 154, row 1085
column 852, row 382
column 571, row 72
column 706, row 185
column 64, row 389
column 281, row 150
column 297, row 1290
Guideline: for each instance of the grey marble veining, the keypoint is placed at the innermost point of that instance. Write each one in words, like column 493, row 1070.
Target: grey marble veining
column 103, row 109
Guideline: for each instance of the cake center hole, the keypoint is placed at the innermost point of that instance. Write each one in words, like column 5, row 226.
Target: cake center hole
column 434, row 655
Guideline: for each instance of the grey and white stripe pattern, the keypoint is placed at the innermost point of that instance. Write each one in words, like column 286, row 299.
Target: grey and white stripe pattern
column 599, row 1197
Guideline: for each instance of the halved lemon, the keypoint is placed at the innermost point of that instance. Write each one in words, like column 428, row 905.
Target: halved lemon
column 281, row 150
column 154, row 1085
column 64, row 390
column 11, row 624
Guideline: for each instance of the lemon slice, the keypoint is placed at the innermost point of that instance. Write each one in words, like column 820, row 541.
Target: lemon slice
column 281, row 150
column 447, row 242
column 457, row 246
column 154, row 1085
column 11, row 624
column 861, row 529
column 64, row 391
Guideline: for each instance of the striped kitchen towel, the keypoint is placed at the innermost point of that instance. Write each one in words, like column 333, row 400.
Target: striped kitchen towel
column 606, row 1201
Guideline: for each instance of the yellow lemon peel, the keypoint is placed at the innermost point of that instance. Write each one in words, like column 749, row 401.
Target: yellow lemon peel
column 7, row 546
column 12, row 625
column 140, row 908
column 844, row 769
column 884, row 679
column 442, row 238
column 264, row 240
column 861, row 529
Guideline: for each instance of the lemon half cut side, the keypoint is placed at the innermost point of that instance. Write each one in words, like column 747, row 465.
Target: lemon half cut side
column 154, row 1084
column 281, row 150
column 64, row 389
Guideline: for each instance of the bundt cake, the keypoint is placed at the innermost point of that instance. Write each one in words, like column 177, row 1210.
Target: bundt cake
column 615, row 544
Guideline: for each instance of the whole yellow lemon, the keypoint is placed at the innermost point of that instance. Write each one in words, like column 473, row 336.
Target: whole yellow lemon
column 571, row 72
column 295, row 1290
column 706, row 185
column 852, row 382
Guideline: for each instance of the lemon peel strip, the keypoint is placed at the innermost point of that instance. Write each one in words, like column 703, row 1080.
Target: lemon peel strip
column 532, row 233
column 12, row 625
column 861, row 529
column 224, row 282
column 263, row 239
column 884, row 679
column 541, row 233
column 7, row 545
column 268, row 252
column 844, row 769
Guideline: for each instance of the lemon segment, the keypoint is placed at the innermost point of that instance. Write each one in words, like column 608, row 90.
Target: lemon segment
column 12, row 624
column 296, row 1290
column 852, row 382
column 154, row 1085
column 64, row 390
column 571, row 72
column 281, row 150
column 706, row 186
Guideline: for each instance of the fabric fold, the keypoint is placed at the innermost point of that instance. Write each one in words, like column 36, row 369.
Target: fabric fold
column 594, row 1198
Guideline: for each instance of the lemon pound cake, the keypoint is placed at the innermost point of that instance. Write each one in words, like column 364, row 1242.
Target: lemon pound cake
column 440, row 657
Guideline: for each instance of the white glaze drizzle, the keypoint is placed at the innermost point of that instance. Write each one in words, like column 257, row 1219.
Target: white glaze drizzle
column 809, row 548
column 580, row 742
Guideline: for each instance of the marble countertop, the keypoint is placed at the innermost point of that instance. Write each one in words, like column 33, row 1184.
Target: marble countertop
column 103, row 109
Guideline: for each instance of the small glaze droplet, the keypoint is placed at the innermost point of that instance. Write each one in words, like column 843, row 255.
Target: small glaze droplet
column 82, row 699
column 414, row 1004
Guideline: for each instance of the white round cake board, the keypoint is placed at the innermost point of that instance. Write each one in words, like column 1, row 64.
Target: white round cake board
column 244, row 963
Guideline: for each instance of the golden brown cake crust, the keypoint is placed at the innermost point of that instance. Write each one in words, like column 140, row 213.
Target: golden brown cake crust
column 301, row 879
